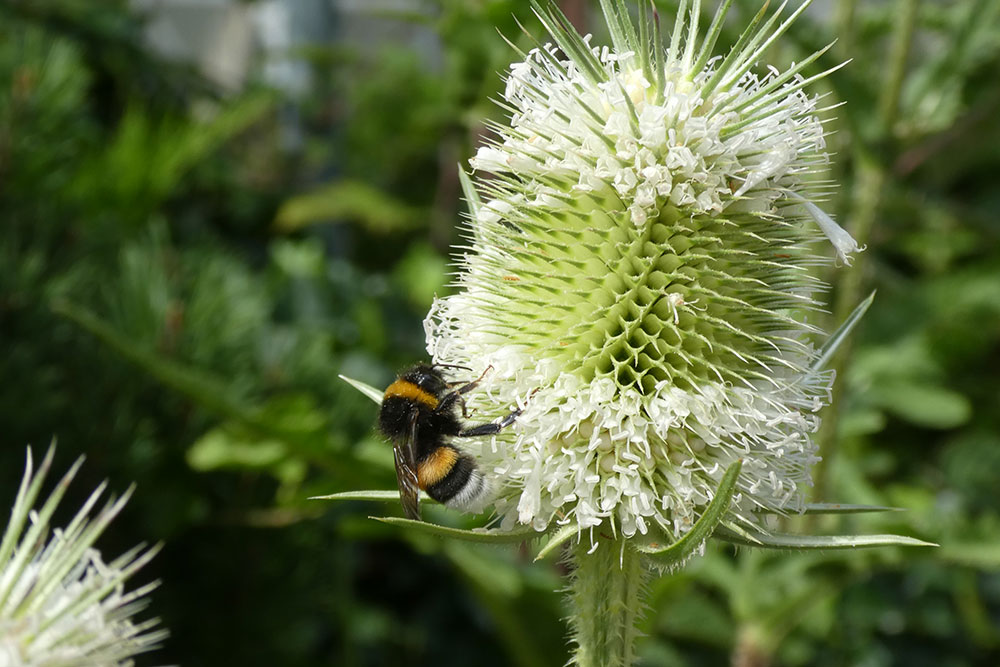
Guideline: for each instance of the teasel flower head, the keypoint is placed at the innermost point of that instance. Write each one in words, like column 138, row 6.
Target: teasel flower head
column 61, row 603
column 641, row 278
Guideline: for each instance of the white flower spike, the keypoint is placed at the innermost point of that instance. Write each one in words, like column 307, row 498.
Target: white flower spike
column 642, row 244
column 61, row 604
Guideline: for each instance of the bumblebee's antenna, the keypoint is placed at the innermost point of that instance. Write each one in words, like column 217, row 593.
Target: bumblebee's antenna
column 437, row 365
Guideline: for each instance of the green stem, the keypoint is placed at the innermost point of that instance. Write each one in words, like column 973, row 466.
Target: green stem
column 845, row 24
column 870, row 181
column 902, row 38
column 750, row 650
column 605, row 600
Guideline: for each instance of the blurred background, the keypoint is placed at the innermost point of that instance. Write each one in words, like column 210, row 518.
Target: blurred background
column 211, row 208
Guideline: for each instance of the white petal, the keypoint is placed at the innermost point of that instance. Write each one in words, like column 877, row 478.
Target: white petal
column 843, row 242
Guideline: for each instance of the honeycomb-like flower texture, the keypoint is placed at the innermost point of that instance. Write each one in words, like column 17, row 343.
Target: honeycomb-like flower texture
column 640, row 282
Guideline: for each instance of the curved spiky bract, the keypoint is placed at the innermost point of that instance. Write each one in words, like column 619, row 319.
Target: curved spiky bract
column 61, row 604
column 640, row 267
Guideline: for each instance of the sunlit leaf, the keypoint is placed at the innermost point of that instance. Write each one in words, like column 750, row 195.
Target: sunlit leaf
column 219, row 449
column 823, row 542
column 376, row 495
column 366, row 389
column 347, row 201
column 924, row 403
column 473, row 535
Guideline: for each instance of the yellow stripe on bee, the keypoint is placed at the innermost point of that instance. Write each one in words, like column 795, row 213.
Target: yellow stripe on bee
column 436, row 466
column 406, row 389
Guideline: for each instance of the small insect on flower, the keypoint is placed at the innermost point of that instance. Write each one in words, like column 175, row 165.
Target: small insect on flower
column 419, row 416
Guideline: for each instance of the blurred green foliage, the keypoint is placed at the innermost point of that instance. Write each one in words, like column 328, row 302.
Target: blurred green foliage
column 179, row 289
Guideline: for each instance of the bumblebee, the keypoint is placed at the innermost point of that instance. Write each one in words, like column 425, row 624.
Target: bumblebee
column 420, row 416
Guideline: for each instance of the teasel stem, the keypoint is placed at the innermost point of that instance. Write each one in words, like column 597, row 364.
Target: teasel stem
column 870, row 182
column 844, row 20
column 749, row 651
column 606, row 600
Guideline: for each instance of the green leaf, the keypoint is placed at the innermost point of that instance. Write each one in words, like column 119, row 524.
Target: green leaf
column 347, row 200
column 150, row 155
column 366, row 389
column 219, row 449
column 561, row 537
column 676, row 553
column 739, row 531
column 839, row 508
column 386, row 495
column 924, row 404
column 208, row 391
column 752, row 538
column 474, row 535
column 236, row 447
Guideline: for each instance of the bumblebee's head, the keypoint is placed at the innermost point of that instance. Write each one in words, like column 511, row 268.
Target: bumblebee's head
column 428, row 378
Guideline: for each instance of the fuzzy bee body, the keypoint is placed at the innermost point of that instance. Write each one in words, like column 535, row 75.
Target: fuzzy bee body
column 419, row 415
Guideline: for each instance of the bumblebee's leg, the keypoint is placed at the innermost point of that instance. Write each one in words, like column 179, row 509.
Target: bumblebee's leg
column 449, row 399
column 491, row 428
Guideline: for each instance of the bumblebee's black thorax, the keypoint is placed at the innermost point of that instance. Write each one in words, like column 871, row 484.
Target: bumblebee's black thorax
column 420, row 388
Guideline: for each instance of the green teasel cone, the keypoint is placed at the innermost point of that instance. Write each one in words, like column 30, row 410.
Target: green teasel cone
column 640, row 278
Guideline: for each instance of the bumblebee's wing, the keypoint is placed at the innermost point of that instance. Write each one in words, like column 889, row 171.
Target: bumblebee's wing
column 404, row 451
